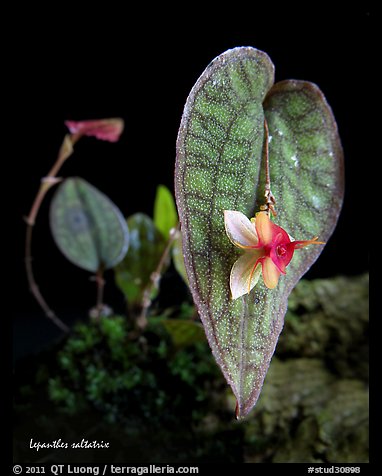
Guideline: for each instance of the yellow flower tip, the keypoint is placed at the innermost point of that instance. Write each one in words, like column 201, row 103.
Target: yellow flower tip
column 313, row 241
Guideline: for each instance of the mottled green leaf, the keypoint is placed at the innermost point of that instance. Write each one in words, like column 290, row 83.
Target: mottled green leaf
column 165, row 214
column 219, row 167
column 87, row 227
column 133, row 274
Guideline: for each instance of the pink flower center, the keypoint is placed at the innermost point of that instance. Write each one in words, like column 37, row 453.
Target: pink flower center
column 281, row 251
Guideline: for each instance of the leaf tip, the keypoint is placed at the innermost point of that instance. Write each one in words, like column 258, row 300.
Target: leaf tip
column 238, row 412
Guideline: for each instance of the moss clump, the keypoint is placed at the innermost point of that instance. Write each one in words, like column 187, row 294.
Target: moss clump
column 107, row 367
column 159, row 396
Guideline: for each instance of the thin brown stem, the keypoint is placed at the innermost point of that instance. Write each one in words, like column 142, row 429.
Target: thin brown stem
column 47, row 182
column 66, row 150
column 51, row 179
column 270, row 201
column 155, row 279
column 266, row 152
column 33, row 285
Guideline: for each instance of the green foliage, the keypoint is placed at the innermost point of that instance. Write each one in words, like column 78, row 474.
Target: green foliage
column 158, row 388
column 146, row 247
column 220, row 167
column 155, row 401
column 87, row 227
column 106, row 367
column 165, row 219
column 165, row 214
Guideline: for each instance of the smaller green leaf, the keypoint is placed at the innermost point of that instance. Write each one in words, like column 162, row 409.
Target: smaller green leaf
column 133, row 274
column 87, row 227
column 165, row 214
column 177, row 257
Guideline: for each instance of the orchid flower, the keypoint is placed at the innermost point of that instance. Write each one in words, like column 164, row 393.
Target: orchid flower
column 267, row 247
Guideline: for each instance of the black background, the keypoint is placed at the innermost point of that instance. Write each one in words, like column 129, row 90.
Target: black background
column 122, row 65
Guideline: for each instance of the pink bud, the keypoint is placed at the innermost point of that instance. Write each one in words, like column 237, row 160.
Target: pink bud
column 103, row 129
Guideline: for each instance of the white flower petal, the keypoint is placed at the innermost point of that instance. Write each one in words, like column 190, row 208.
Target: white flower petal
column 240, row 230
column 271, row 273
column 243, row 275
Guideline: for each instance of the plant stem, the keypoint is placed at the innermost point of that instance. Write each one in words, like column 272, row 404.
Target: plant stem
column 154, row 279
column 33, row 285
column 47, row 182
column 270, row 201
column 100, row 288
column 51, row 179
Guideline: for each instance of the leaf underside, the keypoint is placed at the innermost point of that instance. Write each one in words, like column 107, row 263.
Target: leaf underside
column 87, row 227
column 219, row 167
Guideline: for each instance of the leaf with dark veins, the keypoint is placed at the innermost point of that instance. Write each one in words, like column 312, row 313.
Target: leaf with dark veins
column 219, row 167
column 87, row 226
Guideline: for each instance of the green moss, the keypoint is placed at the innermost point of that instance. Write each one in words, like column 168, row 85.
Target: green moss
column 159, row 398
column 115, row 371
